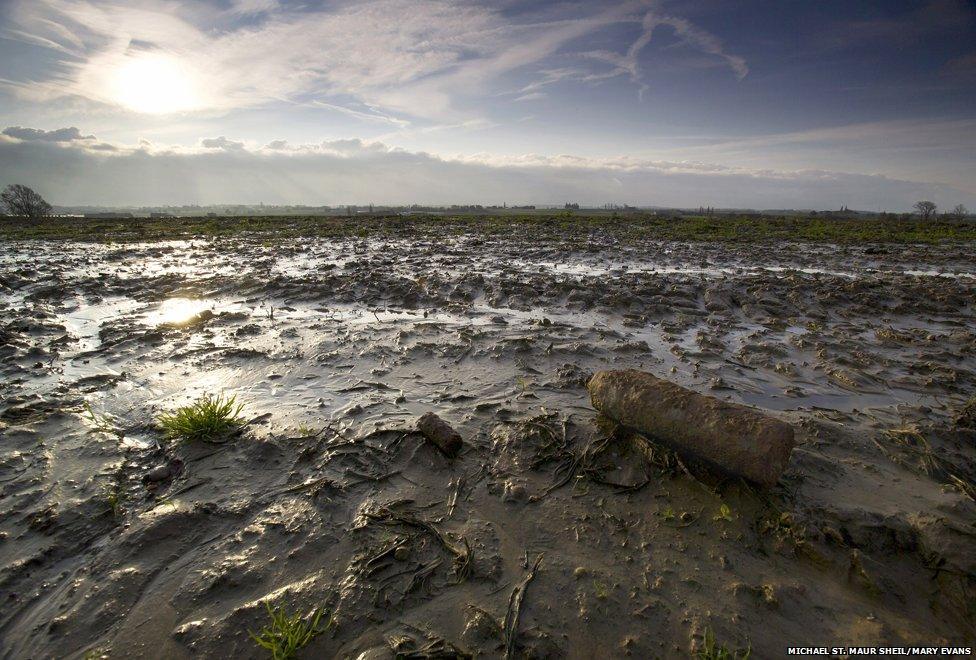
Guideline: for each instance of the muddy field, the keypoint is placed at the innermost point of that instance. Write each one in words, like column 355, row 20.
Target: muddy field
column 553, row 534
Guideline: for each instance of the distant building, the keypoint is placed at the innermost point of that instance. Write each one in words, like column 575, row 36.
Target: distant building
column 108, row 215
column 160, row 215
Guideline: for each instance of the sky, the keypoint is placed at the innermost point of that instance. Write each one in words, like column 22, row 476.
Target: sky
column 746, row 104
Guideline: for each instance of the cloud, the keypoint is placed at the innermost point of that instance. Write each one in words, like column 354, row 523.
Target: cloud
column 354, row 171
column 221, row 143
column 427, row 59
column 894, row 135
column 373, row 116
column 704, row 41
column 629, row 63
column 532, row 96
column 57, row 135
column 251, row 7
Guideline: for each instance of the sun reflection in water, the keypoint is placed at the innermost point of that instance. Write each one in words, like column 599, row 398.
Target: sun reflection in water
column 177, row 311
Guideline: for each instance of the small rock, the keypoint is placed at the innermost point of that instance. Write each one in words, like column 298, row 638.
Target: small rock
column 514, row 492
column 163, row 472
column 480, row 627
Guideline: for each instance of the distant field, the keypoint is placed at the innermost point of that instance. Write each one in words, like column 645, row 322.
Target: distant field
column 557, row 225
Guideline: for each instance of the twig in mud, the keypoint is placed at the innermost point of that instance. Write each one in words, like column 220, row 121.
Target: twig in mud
column 376, row 563
column 462, row 555
column 390, row 578
column 502, row 587
column 965, row 487
column 422, row 575
column 200, row 458
column 314, row 484
column 396, row 442
column 339, row 434
column 368, row 477
column 475, row 478
column 740, row 364
column 570, row 472
column 383, row 431
column 185, row 489
column 688, row 473
column 432, row 650
column 514, row 609
column 458, row 486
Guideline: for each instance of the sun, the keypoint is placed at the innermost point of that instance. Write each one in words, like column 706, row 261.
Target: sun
column 154, row 84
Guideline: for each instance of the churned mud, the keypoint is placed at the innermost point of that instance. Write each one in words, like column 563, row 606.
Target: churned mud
column 553, row 533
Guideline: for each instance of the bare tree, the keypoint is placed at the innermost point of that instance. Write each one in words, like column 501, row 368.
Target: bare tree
column 960, row 212
column 22, row 201
column 925, row 209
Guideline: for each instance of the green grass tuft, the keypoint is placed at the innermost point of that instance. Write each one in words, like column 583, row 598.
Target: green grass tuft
column 287, row 633
column 102, row 423
column 113, row 497
column 209, row 419
column 724, row 513
column 712, row 650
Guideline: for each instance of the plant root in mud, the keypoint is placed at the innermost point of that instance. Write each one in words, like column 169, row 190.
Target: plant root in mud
column 210, row 419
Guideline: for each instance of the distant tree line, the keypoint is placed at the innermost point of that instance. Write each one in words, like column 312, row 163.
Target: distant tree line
column 20, row 201
column 926, row 210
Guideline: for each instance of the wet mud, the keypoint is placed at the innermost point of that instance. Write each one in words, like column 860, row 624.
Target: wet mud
column 552, row 533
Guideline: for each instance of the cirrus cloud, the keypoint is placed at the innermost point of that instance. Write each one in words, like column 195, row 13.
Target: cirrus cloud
column 374, row 60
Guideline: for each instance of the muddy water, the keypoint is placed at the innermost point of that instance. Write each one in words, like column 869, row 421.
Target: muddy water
column 335, row 347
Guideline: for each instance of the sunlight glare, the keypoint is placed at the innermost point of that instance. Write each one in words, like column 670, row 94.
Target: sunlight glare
column 177, row 311
column 154, row 84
